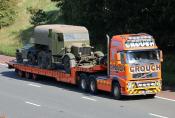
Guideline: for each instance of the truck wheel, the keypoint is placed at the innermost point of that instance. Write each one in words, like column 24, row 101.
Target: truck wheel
column 83, row 82
column 66, row 62
column 28, row 75
column 20, row 73
column 116, row 91
column 93, row 84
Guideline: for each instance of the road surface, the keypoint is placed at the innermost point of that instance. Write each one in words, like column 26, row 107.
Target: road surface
column 21, row 98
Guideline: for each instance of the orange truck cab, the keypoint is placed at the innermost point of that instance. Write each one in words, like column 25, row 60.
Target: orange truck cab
column 134, row 65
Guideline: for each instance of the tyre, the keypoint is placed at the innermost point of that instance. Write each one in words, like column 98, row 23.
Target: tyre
column 41, row 59
column 83, row 82
column 92, row 84
column 28, row 75
column 31, row 58
column 116, row 91
column 66, row 63
column 20, row 73
column 34, row 76
column 99, row 54
column 16, row 71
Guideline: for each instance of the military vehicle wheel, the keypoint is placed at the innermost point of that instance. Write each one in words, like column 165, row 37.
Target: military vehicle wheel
column 93, row 84
column 31, row 58
column 116, row 91
column 66, row 63
column 83, row 82
column 99, row 54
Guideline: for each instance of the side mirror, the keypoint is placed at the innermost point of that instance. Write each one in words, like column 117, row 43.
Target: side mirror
column 161, row 56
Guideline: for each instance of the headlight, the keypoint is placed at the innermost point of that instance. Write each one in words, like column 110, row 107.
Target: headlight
column 131, row 85
column 139, row 85
column 158, row 83
column 152, row 84
column 148, row 84
column 79, row 53
column 144, row 85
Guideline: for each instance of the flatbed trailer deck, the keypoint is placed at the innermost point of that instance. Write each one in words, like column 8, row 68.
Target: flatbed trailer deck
column 29, row 71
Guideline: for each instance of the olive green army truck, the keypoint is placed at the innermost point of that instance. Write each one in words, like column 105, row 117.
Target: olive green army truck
column 59, row 44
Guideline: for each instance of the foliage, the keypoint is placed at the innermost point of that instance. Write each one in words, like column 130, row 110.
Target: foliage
column 38, row 17
column 19, row 32
column 168, row 72
column 7, row 12
column 101, row 17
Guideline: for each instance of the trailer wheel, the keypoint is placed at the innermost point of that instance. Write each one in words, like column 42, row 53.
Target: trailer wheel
column 20, row 73
column 116, row 91
column 28, row 75
column 34, row 76
column 93, row 84
column 16, row 71
column 83, row 82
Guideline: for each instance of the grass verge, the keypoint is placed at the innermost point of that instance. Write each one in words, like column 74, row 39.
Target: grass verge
column 14, row 36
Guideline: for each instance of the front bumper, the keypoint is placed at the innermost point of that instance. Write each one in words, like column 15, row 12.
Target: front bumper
column 143, row 87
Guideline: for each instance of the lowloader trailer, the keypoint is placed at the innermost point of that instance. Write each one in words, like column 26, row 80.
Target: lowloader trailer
column 132, row 67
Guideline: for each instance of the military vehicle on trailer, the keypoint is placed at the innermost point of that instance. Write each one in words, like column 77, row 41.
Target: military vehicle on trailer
column 68, row 45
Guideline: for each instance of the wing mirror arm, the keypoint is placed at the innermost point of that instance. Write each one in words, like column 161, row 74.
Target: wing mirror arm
column 161, row 56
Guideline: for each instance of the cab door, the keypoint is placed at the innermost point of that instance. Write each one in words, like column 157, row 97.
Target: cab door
column 57, row 43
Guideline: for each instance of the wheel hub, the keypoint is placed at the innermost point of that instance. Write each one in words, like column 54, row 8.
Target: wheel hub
column 116, row 91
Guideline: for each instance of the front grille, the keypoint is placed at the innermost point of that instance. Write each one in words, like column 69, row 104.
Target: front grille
column 85, row 50
column 145, row 75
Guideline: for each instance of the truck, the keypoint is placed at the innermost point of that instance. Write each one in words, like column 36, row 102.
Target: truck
column 131, row 67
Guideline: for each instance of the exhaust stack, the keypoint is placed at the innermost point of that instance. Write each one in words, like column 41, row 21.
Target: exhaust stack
column 108, row 55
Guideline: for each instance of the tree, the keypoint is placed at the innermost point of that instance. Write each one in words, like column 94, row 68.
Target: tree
column 112, row 17
column 7, row 12
column 38, row 17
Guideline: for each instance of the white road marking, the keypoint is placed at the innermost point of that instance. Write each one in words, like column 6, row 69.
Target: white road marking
column 89, row 98
column 3, row 64
column 34, row 85
column 27, row 102
column 157, row 115
column 165, row 98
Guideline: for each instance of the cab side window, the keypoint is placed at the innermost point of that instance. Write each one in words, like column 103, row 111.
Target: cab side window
column 122, row 57
column 59, row 37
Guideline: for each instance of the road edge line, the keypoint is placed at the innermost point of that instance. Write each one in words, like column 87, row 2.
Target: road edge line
column 165, row 98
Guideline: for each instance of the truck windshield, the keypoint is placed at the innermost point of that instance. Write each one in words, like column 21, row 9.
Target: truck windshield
column 142, row 56
column 76, row 36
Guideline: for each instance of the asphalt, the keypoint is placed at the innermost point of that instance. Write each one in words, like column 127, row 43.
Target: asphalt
column 46, row 98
